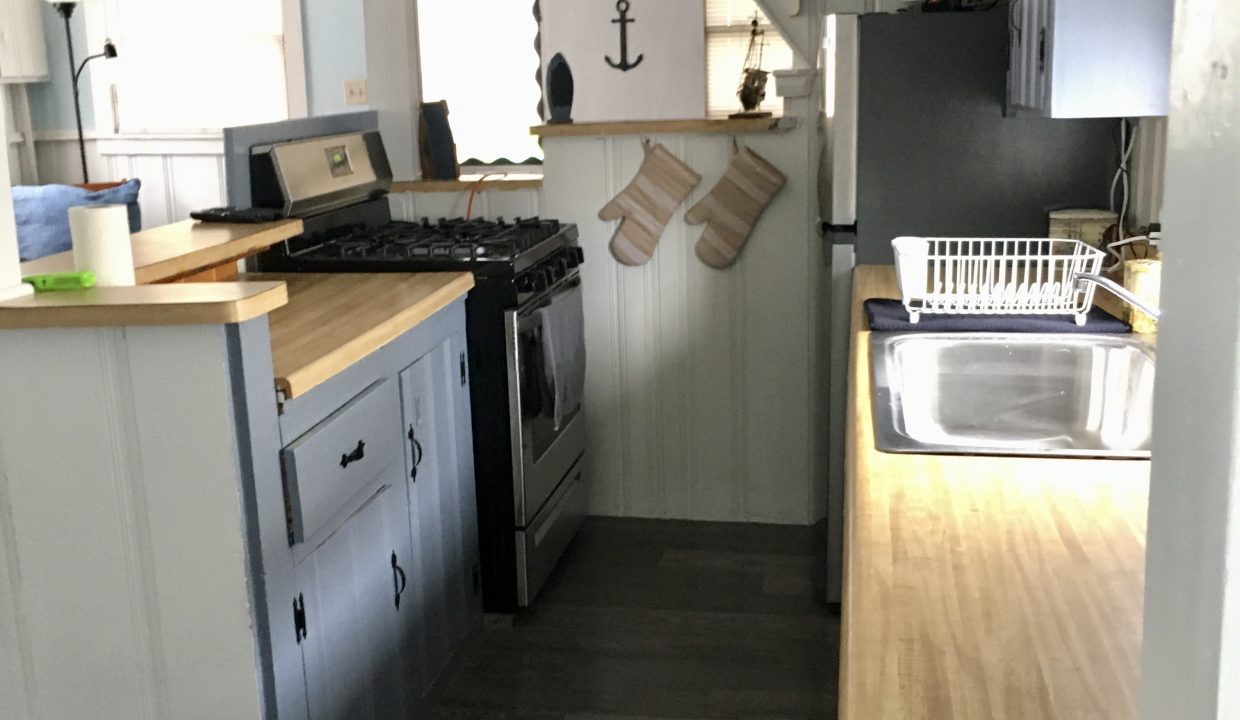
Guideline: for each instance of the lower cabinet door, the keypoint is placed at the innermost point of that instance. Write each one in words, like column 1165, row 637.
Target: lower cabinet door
column 356, row 587
column 428, row 395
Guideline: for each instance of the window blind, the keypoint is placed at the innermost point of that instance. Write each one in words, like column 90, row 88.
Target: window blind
column 479, row 56
column 196, row 66
column 727, row 42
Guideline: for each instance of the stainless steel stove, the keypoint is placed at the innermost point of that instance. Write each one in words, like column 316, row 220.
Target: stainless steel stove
column 528, row 462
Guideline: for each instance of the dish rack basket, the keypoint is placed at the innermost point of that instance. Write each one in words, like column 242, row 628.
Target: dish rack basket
column 995, row 276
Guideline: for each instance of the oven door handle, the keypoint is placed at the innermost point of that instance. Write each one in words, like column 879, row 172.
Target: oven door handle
column 526, row 314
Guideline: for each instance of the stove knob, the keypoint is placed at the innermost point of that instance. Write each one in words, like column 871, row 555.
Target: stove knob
column 525, row 283
column 540, row 281
column 575, row 257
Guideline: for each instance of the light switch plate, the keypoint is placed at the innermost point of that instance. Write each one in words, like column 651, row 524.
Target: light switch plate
column 355, row 92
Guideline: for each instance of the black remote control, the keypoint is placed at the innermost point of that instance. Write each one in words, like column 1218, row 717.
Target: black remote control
column 237, row 215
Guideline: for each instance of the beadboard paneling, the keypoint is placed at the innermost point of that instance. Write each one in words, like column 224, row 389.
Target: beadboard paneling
column 702, row 385
column 178, row 175
column 102, row 522
column 508, row 204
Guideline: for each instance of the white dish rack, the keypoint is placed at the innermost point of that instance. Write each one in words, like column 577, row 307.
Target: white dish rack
column 995, row 276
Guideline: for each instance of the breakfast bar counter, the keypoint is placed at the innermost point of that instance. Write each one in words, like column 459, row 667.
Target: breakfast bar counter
column 183, row 249
column 987, row 588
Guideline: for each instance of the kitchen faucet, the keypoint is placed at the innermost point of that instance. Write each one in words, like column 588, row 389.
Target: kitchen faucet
column 1118, row 291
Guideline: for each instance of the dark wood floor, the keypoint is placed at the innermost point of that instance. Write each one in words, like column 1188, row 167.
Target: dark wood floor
column 647, row 619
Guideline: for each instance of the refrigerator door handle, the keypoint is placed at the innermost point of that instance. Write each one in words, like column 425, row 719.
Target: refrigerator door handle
column 840, row 234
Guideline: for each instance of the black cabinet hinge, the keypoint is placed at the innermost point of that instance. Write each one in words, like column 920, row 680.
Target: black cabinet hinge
column 1042, row 50
column 462, row 369
column 299, row 618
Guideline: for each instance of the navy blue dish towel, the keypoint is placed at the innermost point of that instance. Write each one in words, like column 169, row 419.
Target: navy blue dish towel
column 890, row 316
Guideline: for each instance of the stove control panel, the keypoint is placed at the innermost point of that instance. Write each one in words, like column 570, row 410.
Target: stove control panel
column 547, row 273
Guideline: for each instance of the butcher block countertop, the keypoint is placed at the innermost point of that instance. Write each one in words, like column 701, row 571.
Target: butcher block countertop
column 179, row 304
column 987, row 588
column 333, row 320
column 175, row 251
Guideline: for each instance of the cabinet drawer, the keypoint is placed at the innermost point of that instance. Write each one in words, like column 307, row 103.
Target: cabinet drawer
column 338, row 457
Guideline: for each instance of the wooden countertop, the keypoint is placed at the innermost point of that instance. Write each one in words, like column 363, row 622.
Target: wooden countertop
column 333, row 320
column 170, row 252
column 180, row 304
column 985, row 588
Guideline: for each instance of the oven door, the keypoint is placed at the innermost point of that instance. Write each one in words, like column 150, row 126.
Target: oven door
column 542, row 454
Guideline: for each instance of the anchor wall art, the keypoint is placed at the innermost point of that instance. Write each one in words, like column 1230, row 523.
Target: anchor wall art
column 630, row 59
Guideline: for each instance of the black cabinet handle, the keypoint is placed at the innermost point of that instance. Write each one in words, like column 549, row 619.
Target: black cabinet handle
column 299, row 618
column 398, row 579
column 417, row 453
column 358, row 453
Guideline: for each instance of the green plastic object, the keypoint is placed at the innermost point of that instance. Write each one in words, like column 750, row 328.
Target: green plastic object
column 59, row 282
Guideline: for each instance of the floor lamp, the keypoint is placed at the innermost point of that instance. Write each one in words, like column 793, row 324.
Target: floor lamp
column 109, row 51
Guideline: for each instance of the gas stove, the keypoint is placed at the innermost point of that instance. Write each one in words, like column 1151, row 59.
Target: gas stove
column 486, row 247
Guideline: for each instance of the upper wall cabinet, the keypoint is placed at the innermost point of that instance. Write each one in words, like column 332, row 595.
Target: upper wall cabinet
column 23, row 49
column 1101, row 58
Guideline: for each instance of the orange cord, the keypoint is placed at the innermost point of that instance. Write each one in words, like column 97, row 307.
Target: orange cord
column 469, row 207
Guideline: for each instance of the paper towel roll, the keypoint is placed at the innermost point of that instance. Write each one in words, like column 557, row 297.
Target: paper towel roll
column 101, row 243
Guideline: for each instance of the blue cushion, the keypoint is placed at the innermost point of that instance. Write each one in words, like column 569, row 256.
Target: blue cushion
column 43, row 214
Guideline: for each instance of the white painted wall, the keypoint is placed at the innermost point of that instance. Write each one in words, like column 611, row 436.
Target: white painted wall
column 1191, row 662
column 670, row 82
column 705, row 388
column 394, row 79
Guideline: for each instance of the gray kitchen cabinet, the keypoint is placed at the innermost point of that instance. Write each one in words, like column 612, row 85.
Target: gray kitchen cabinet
column 434, row 398
column 1103, row 58
column 355, row 622
column 398, row 516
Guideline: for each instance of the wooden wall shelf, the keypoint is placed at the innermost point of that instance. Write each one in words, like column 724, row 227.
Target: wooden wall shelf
column 665, row 127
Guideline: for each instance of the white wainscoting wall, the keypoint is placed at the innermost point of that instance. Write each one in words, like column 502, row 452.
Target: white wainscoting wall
column 706, row 389
column 508, row 204
column 179, row 173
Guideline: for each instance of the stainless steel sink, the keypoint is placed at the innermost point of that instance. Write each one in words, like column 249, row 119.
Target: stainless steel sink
column 1016, row 394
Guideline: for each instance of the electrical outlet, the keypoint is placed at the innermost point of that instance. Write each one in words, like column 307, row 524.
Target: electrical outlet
column 355, row 92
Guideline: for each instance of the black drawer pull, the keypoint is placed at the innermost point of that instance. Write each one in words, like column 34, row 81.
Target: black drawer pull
column 417, row 454
column 358, row 453
column 398, row 579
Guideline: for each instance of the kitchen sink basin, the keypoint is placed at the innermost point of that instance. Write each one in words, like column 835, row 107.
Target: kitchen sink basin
column 1013, row 394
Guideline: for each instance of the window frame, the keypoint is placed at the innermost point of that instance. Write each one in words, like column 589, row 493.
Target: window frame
column 529, row 166
column 740, row 31
column 104, row 14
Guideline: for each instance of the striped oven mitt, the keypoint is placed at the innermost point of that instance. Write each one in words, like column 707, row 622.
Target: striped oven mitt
column 645, row 206
column 733, row 206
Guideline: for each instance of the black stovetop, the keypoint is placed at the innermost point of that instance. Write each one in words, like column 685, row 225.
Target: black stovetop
column 471, row 241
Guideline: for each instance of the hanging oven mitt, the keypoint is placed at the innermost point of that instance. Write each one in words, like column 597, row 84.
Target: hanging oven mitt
column 644, row 207
column 733, row 206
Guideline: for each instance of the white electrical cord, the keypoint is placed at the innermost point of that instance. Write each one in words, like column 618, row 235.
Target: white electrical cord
column 1127, row 143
